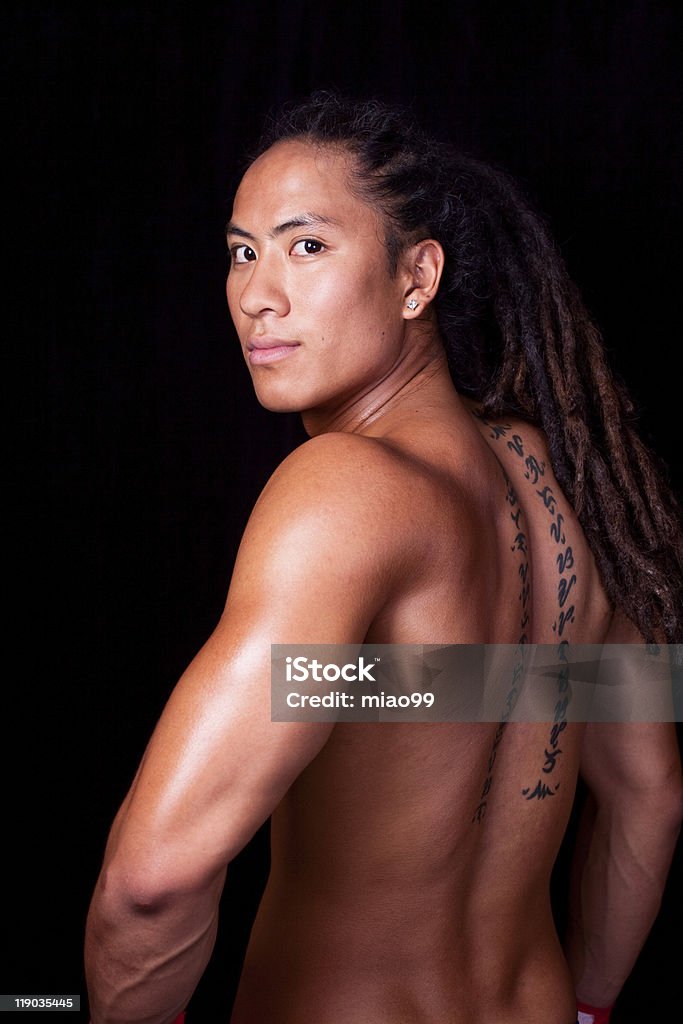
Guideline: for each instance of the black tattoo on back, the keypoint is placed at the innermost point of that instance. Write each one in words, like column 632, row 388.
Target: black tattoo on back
column 534, row 471
column 520, row 546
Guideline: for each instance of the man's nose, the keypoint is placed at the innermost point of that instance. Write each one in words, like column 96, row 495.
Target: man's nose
column 265, row 290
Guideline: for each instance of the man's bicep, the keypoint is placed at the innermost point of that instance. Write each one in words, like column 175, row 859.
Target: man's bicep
column 215, row 768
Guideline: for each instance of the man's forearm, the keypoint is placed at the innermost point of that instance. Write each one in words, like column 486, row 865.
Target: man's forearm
column 144, row 957
column 622, row 859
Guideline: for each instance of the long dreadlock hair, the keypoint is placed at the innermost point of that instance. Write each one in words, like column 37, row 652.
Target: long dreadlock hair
column 517, row 335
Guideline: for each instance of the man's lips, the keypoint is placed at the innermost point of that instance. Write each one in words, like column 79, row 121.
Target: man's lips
column 269, row 350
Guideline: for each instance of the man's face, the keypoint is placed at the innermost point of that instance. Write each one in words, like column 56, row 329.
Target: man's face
column 317, row 313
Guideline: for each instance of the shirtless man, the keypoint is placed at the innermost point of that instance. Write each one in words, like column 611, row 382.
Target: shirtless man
column 410, row 863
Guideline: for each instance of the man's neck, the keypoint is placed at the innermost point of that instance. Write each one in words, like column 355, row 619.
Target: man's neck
column 419, row 378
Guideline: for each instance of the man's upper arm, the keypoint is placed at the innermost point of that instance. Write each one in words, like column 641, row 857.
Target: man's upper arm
column 313, row 566
column 636, row 753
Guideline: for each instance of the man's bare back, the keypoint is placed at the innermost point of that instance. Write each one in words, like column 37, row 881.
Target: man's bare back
column 401, row 868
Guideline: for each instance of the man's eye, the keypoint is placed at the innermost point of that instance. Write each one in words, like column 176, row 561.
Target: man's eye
column 307, row 247
column 243, row 254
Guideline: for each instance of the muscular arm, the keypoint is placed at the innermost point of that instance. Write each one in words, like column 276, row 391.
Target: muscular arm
column 311, row 568
column 627, row 835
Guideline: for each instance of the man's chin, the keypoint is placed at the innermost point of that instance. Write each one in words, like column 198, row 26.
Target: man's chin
column 278, row 403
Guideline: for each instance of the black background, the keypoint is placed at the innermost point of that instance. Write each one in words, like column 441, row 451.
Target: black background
column 136, row 446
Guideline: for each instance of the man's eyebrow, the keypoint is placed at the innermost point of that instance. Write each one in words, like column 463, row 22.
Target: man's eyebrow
column 302, row 220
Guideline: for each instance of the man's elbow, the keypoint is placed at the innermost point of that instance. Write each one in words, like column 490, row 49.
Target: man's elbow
column 675, row 803
column 154, row 885
column 662, row 793
column 663, row 787
column 657, row 804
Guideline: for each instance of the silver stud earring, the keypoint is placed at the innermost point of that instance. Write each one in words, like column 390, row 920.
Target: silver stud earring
column 412, row 303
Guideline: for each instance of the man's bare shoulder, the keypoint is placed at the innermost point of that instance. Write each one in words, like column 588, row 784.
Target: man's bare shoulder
column 329, row 543
column 356, row 508
column 352, row 479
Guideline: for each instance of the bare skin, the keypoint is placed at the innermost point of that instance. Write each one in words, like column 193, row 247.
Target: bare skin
column 410, row 879
column 628, row 834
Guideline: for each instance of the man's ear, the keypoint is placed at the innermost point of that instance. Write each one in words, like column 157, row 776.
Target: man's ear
column 422, row 269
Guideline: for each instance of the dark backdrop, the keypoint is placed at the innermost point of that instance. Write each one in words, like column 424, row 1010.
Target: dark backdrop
column 140, row 446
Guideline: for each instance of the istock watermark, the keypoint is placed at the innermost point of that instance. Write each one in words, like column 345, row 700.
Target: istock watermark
column 301, row 669
column 556, row 683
